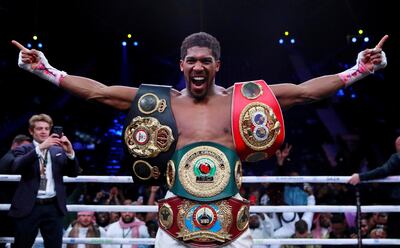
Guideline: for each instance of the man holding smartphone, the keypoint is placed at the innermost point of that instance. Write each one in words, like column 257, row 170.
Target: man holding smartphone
column 40, row 199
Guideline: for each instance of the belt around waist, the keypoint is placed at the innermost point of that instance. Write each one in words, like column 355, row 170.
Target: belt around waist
column 45, row 201
column 204, row 171
column 200, row 224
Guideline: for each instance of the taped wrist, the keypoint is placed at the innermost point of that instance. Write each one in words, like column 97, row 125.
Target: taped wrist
column 43, row 69
column 355, row 73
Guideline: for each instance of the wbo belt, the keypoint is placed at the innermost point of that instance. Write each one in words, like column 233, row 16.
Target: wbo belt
column 45, row 201
column 204, row 171
column 202, row 224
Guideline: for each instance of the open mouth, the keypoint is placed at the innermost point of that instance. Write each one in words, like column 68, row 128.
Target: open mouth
column 198, row 81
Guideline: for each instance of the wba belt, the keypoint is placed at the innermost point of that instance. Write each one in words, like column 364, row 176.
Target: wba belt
column 202, row 224
column 150, row 134
column 204, row 171
column 257, row 122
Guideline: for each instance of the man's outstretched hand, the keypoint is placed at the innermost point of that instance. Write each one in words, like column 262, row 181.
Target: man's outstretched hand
column 374, row 58
column 27, row 56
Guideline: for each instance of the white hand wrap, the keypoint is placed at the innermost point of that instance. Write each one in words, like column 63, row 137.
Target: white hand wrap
column 360, row 71
column 43, row 69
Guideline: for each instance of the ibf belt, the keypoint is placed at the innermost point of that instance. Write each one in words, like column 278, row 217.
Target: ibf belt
column 202, row 224
column 204, row 171
column 257, row 122
column 150, row 134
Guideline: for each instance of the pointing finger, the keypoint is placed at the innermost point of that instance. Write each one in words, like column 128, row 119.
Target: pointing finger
column 19, row 46
column 380, row 44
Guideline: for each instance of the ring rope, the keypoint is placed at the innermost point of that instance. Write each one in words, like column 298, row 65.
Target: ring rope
column 151, row 241
column 245, row 179
column 253, row 209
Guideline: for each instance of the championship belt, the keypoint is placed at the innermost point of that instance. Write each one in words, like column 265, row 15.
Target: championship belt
column 257, row 122
column 200, row 224
column 204, row 171
column 150, row 134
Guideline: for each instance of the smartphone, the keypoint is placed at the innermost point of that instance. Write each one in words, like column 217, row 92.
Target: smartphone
column 58, row 130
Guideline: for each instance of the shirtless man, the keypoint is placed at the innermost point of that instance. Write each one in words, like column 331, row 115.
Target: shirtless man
column 203, row 114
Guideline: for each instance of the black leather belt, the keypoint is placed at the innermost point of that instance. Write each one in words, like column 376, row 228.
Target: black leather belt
column 45, row 201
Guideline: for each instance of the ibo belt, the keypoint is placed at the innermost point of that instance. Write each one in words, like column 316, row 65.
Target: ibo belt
column 204, row 171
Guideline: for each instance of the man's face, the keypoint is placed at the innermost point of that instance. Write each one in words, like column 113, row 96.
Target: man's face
column 199, row 68
column 41, row 131
column 397, row 144
column 85, row 219
column 127, row 217
column 325, row 220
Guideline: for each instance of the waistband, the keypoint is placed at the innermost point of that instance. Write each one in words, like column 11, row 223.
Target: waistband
column 204, row 171
column 202, row 224
column 46, row 201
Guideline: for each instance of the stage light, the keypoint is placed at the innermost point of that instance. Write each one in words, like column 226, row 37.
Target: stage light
column 281, row 41
column 129, row 36
column 340, row 92
column 286, row 33
column 353, row 96
column 124, row 43
column 360, row 31
column 135, row 43
column 40, row 45
column 292, row 41
column 34, row 37
column 366, row 39
column 29, row 45
column 354, row 39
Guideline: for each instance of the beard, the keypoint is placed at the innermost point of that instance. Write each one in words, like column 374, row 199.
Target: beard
column 253, row 225
column 127, row 219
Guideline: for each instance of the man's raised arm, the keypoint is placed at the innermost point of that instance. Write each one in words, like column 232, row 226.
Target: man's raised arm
column 34, row 61
column 368, row 61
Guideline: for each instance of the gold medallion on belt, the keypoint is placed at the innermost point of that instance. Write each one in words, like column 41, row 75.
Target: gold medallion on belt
column 204, row 171
column 197, row 222
column 258, row 126
column 145, row 137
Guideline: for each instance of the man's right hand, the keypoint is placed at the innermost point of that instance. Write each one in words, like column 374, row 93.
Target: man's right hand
column 354, row 179
column 35, row 62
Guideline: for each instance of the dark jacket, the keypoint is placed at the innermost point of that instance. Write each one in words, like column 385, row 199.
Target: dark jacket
column 26, row 163
column 390, row 167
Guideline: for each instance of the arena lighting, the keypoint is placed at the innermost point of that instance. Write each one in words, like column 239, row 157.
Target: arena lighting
column 281, row 41
column 123, row 43
column 366, row 39
column 29, row 45
column 286, row 33
column 135, row 43
column 129, row 36
column 292, row 41
column 354, row 39
column 35, row 37
column 360, row 31
column 40, row 45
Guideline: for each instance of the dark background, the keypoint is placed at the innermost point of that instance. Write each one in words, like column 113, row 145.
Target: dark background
column 84, row 38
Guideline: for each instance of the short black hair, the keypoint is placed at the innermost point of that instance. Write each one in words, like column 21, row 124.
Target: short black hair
column 21, row 138
column 201, row 39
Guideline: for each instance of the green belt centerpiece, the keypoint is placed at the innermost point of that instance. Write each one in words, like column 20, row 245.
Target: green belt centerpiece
column 204, row 171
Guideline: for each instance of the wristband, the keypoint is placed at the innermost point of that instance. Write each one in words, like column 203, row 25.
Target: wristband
column 43, row 69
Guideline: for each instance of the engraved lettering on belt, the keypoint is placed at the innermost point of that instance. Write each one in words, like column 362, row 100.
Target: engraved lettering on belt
column 204, row 171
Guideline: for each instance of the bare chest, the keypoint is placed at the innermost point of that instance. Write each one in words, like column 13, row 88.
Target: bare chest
column 209, row 121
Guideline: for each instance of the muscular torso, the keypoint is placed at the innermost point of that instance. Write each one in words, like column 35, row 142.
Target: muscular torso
column 208, row 120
